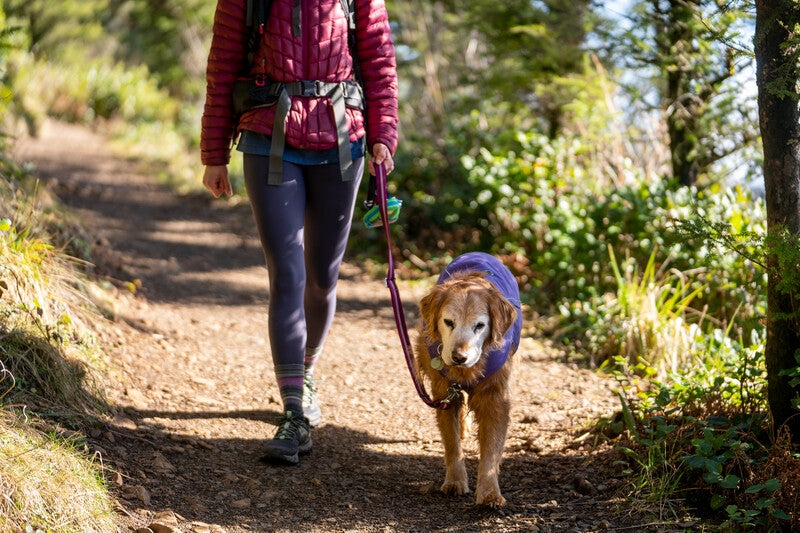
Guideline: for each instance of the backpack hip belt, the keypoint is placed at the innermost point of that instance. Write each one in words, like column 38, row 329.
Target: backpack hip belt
column 341, row 94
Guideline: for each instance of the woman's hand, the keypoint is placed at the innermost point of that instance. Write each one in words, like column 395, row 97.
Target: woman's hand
column 380, row 154
column 215, row 178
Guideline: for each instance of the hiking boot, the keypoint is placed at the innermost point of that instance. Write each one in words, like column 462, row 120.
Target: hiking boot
column 310, row 406
column 292, row 439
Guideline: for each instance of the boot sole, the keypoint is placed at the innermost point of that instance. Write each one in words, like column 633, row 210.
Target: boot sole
column 274, row 457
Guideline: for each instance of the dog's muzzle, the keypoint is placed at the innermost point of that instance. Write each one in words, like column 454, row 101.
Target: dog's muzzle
column 458, row 358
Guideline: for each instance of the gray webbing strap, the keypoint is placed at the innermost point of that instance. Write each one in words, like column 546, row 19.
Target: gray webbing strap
column 334, row 91
column 278, row 139
column 349, row 13
column 342, row 134
column 296, row 29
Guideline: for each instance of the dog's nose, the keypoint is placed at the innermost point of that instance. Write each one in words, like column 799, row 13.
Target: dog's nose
column 458, row 358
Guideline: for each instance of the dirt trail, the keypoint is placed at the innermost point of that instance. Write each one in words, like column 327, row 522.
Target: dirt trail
column 198, row 397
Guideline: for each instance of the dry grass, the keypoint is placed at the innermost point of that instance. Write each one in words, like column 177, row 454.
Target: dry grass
column 48, row 377
column 44, row 340
column 48, row 485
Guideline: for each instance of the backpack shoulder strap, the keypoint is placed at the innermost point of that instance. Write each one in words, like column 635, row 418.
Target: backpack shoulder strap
column 256, row 20
column 249, row 14
column 349, row 12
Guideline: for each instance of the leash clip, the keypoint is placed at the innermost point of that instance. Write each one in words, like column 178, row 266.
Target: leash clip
column 453, row 393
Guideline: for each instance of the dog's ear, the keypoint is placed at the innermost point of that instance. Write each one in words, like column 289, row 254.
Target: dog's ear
column 502, row 314
column 429, row 307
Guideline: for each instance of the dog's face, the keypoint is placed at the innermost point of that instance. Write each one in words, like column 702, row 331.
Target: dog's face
column 464, row 325
column 468, row 315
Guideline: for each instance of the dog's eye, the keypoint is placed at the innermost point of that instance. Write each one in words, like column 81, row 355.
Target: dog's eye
column 479, row 326
column 449, row 323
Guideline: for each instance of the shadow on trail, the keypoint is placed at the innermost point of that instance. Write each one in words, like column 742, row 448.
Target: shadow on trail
column 180, row 247
column 326, row 492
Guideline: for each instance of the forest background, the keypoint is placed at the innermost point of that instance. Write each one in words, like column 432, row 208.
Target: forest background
column 609, row 152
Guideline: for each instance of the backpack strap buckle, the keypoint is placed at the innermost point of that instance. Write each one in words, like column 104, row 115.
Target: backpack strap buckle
column 310, row 88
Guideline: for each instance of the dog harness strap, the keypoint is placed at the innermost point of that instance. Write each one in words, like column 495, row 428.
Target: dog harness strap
column 341, row 95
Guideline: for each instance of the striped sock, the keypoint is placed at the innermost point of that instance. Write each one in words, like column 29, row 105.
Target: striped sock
column 290, row 383
column 311, row 358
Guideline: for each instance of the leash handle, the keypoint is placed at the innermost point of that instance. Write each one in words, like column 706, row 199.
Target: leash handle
column 397, row 305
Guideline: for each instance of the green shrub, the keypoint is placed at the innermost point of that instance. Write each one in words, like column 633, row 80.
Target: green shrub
column 97, row 89
column 534, row 203
column 703, row 438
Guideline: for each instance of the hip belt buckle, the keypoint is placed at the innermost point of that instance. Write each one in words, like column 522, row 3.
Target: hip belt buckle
column 309, row 89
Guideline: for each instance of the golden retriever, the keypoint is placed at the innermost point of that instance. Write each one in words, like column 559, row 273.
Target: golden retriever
column 469, row 330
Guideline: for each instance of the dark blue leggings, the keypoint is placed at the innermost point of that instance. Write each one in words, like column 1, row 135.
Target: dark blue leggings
column 303, row 224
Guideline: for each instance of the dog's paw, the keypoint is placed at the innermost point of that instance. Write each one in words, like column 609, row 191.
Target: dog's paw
column 492, row 499
column 455, row 487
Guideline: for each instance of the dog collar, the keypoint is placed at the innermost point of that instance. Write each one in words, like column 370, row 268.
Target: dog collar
column 495, row 360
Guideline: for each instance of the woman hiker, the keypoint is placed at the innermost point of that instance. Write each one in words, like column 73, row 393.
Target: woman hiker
column 303, row 148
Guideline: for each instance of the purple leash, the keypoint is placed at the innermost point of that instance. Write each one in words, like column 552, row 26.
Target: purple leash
column 397, row 305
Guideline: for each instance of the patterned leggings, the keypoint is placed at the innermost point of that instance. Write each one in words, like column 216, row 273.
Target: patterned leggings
column 303, row 224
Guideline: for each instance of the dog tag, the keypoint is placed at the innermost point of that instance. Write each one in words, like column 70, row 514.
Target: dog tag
column 437, row 363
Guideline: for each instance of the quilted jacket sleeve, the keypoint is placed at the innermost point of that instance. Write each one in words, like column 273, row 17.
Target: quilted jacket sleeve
column 226, row 59
column 375, row 51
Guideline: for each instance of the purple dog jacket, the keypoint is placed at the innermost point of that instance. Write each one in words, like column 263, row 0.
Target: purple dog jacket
column 498, row 275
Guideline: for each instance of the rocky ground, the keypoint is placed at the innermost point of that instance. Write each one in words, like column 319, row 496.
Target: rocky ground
column 197, row 398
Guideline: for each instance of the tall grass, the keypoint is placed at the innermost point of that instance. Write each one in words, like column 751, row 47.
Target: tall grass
column 655, row 316
column 44, row 338
column 692, row 430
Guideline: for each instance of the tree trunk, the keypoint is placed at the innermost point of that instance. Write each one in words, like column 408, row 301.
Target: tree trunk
column 682, row 110
column 683, row 142
column 777, row 76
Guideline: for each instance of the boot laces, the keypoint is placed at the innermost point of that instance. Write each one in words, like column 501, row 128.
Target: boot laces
column 288, row 426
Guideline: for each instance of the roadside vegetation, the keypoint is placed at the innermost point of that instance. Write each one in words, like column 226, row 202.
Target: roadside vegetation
column 652, row 273
column 51, row 368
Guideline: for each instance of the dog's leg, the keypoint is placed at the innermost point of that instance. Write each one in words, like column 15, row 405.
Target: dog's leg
column 492, row 415
column 449, row 420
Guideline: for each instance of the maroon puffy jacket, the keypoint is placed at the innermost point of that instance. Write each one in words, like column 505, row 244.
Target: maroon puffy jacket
column 319, row 52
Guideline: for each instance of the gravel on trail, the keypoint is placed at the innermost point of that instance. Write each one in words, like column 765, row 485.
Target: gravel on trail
column 193, row 381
